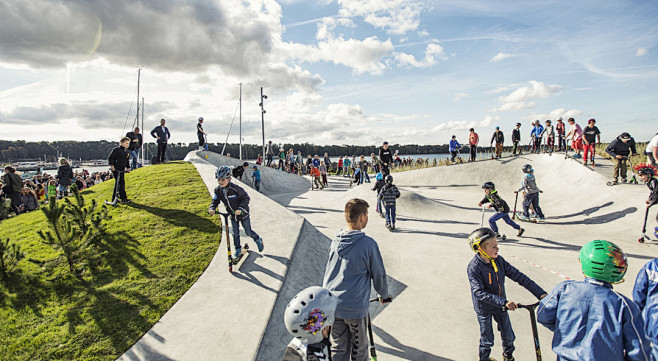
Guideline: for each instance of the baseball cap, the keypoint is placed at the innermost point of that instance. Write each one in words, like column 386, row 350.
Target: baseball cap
column 625, row 135
column 200, row 118
column 591, row 120
column 254, row 167
column 385, row 142
column 559, row 119
column 519, row 124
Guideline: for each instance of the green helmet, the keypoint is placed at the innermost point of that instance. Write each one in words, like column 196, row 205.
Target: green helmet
column 604, row 261
column 479, row 235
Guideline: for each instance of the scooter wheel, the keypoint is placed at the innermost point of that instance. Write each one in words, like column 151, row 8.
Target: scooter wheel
column 641, row 240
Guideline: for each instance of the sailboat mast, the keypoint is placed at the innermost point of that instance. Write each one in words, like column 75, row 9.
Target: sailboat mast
column 240, row 121
column 142, row 127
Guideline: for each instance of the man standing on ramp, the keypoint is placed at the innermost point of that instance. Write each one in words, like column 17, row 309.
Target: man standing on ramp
column 620, row 149
column 386, row 158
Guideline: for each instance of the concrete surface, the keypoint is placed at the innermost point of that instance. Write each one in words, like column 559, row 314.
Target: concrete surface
column 224, row 317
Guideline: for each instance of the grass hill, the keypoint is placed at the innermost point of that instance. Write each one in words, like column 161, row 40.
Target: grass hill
column 156, row 248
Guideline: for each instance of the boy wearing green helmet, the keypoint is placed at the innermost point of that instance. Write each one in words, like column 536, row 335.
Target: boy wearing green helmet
column 590, row 321
column 486, row 275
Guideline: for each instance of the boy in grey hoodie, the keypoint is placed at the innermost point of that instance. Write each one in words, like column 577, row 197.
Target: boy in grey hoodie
column 529, row 186
column 354, row 260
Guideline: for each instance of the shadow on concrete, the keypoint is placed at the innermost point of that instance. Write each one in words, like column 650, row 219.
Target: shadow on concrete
column 455, row 206
column 311, row 210
column 440, row 234
column 586, row 212
column 604, row 218
column 548, row 244
column 399, row 350
column 445, row 221
column 141, row 351
column 442, row 186
column 249, row 266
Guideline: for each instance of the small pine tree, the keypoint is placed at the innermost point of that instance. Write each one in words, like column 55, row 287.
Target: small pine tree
column 10, row 255
column 76, row 230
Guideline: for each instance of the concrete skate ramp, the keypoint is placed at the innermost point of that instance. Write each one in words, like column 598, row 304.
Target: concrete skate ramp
column 272, row 181
column 409, row 203
column 239, row 316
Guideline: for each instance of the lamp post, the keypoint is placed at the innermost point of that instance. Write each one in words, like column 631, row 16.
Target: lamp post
column 262, row 117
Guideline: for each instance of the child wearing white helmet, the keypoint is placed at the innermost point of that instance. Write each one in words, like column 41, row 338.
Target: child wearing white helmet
column 529, row 187
column 308, row 318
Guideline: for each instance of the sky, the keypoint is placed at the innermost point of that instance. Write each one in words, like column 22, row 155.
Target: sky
column 334, row 71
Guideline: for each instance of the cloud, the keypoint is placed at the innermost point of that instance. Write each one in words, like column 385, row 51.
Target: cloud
column 522, row 97
column 553, row 115
column 433, row 52
column 236, row 38
column 459, row 96
column 499, row 57
column 395, row 16
column 465, row 124
column 641, row 52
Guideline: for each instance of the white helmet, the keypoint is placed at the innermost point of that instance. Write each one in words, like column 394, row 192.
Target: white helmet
column 309, row 312
column 200, row 118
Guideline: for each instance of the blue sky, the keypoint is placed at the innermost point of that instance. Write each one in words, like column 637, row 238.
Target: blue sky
column 335, row 72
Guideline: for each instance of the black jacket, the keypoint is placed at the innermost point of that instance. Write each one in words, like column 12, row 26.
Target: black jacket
column 516, row 135
column 13, row 183
column 379, row 185
column 133, row 136
column 238, row 172
column 119, row 158
column 158, row 132
column 234, row 198
column 652, row 184
column 618, row 147
column 389, row 194
column 488, row 286
column 385, row 155
column 498, row 203
column 498, row 137
column 64, row 175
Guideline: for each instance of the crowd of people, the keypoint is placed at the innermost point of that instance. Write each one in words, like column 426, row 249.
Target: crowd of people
column 28, row 194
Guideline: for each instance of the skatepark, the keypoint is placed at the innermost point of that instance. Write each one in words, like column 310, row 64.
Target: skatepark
column 239, row 315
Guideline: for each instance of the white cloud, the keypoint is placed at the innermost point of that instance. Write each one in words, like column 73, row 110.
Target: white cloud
column 459, row 96
column 641, row 52
column 522, row 97
column 433, row 52
column 553, row 115
column 423, row 33
column 465, row 124
column 395, row 16
column 499, row 57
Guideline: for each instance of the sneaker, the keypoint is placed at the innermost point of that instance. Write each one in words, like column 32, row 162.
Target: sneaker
column 259, row 243
column 499, row 236
column 506, row 358
column 623, row 180
column 521, row 230
column 388, row 226
column 524, row 218
column 585, row 163
column 541, row 219
column 655, row 232
column 237, row 253
column 125, row 200
column 393, row 226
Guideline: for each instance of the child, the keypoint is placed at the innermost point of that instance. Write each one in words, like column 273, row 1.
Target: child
column 239, row 171
column 529, row 186
column 323, row 172
column 590, row 136
column 645, row 294
column 119, row 160
column 339, row 169
column 388, row 196
column 378, row 187
column 647, row 173
column 501, row 207
column 236, row 201
column 550, row 136
column 40, row 192
column 255, row 178
column 308, row 318
column 486, row 274
column 354, row 262
column 52, row 191
column 363, row 169
column 454, row 147
column 317, row 182
column 346, row 166
column 589, row 320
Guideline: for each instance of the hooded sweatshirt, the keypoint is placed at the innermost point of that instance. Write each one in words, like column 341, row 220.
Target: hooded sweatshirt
column 354, row 260
column 529, row 185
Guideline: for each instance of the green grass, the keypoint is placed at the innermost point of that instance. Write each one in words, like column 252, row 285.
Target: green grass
column 639, row 147
column 156, row 249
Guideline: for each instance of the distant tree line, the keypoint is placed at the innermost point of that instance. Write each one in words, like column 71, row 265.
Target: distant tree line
column 14, row 151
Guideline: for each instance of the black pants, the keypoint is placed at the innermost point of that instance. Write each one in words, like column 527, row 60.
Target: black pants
column 269, row 160
column 162, row 148
column 473, row 152
column 385, row 170
column 537, row 144
column 202, row 141
column 515, row 147
column 120, row 184
column 453, row 154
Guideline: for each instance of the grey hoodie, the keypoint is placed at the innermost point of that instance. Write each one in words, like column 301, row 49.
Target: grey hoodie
column 354, row 260
column 529, row 184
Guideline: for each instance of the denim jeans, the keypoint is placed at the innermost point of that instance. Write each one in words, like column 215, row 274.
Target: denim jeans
column 532, row 198
column 257, row 184
column 390, row 215
column 487, row 336
column 503, row 216
column 134, row 154
column 235, row 228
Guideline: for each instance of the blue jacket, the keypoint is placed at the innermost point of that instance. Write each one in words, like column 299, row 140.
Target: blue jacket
column 536, row 131
column 158, row 132
column 316, row 162
column 591, row 322
column 645, row 294
column 256, row 175
column 234, row 198
column 454, row 145
column 354, row 260
column 488, row 286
